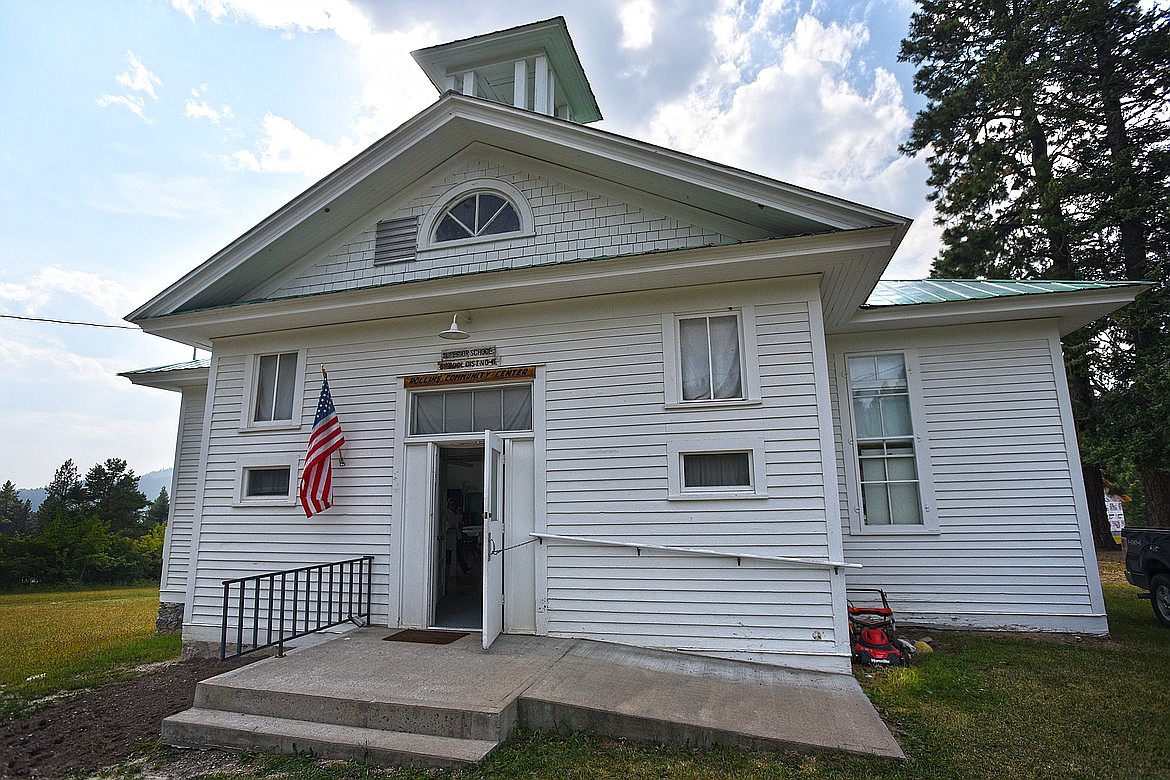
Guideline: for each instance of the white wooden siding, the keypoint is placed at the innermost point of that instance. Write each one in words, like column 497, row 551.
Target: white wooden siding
column 1010, row 551
column 185, row 486
column 571, row 223
column 605, row 436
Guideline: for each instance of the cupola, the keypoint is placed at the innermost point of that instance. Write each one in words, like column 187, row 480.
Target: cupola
column 534, row 67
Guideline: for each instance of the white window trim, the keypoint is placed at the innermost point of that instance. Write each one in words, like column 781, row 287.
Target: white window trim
column 926, row 497
column 460, row 435
column 291, row 462
column 248, row 407
column 426, row 233
column 748, row 350
column 716, row 443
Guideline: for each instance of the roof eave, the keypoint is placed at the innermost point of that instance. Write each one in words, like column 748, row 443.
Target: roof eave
column 835, row 257
column 1072, row 310
column 174, row 380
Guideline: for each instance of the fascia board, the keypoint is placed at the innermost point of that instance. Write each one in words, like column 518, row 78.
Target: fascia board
column 1072, row 310
column 174, row 381
column 771, row 259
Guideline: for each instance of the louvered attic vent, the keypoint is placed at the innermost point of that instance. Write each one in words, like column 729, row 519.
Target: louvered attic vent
column 396, row 239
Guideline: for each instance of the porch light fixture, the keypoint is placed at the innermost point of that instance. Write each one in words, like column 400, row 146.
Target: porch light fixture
column 455, row 333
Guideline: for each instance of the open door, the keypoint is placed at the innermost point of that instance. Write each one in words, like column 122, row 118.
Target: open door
column 493, row 538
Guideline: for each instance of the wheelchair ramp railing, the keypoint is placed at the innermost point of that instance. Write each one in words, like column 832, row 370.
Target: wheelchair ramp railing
column 270, row 609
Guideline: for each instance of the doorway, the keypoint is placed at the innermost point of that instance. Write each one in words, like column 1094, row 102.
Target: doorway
column 457, row 565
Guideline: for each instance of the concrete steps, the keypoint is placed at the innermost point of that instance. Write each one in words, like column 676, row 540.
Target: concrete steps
column 374, row 728
column 198, row 727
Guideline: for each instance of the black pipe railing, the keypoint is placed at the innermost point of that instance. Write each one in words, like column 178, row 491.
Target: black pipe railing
column 270, row 609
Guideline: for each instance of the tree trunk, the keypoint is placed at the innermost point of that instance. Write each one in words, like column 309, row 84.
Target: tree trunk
column 1098, row 513
column 1157, row 485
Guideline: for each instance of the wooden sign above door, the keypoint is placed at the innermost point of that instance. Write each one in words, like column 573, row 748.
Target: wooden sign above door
column 511, row 374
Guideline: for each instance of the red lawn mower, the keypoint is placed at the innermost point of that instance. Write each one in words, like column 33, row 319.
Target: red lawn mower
column 873, row 636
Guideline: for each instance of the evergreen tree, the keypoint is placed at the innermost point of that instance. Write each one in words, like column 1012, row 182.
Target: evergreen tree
column 15, row 515
column 159, row 510
column 111, row 492
column 62, row 496
column 1048, row 146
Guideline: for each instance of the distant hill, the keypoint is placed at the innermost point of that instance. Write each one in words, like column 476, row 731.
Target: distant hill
column 149, row 484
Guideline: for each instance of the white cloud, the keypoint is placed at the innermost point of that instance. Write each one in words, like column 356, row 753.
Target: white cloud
column 637, row 20
column 918, row 249
column 70, row 289
column 285, row 148
column 138, row 79
column 132, row 103
column 197, row 108
column 52, row 360
column 393, row 91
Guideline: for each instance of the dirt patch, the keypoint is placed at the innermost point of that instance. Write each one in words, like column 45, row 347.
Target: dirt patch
column 103, row 727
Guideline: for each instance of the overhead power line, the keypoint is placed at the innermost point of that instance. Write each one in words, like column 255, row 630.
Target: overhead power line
column 68, row 322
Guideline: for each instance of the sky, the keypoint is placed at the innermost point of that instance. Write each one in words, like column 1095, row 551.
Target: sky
column 139, row 137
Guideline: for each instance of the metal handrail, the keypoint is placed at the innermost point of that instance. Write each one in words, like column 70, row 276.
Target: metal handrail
column 292, row 607
column 639, row 546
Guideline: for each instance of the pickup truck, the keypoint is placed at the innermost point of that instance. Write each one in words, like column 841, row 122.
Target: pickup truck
column 1147, row 565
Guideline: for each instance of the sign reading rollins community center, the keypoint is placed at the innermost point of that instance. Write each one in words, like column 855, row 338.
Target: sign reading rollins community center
column 467, row 377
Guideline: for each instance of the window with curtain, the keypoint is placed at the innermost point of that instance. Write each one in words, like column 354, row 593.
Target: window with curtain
column 716, row 470
column 276, row 381
column 266, row 482
column 710, row 358
column 506, row 408
column 884, row 434
column 476, row 215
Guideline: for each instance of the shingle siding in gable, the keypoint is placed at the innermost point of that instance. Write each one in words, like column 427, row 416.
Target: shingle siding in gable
column 571, row 223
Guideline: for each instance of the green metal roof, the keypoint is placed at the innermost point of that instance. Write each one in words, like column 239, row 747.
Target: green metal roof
column 184, row 366
column 907, row 293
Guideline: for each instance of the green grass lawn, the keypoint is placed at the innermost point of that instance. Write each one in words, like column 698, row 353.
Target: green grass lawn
column 985, row 705
column 66, row 640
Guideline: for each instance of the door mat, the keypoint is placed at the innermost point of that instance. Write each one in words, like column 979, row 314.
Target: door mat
column 425, row 637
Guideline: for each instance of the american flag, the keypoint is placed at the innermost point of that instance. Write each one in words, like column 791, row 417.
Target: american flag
column 326, row 439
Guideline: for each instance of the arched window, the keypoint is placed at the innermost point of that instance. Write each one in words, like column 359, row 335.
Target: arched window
column 477, row 214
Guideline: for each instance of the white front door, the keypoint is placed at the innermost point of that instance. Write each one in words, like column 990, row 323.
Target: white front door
column 493, row 538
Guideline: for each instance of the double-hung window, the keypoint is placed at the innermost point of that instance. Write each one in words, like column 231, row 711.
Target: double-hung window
column 276, row 379
column 884, row 440
column 711, row 358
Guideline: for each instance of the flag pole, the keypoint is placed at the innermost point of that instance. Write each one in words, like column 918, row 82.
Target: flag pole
column 325, row 378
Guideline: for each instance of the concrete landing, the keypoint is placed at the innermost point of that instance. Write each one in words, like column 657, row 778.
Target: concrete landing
column 392, row 703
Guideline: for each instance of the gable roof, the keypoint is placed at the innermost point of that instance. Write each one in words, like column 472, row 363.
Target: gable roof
column 751, row 205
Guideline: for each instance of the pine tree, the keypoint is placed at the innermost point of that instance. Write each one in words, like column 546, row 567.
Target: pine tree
column 15, row 515
column 62, row 496
column 1048, row 147
column 111, row 492
column 156, row 514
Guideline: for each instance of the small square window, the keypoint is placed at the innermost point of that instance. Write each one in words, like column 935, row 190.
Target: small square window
column 715, row 467
column 267, row 482
column 707, row 470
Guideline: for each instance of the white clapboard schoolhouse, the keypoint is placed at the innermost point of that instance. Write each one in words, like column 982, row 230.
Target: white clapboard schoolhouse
column 591, row 387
